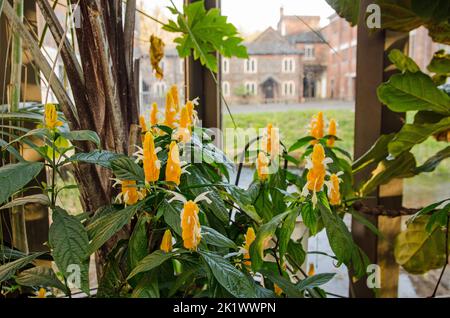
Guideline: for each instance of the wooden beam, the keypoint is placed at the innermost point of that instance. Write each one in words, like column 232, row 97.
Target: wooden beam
column 372, row 119
column 200, row 83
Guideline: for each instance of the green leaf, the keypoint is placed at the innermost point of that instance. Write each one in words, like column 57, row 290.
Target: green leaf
column 376, row 153
column 296, row 254
column 40, row 276
column 204, row 33
column 243, row 199
column 212, row 237
column 413, row 91
column 217, row 206
column 440, row 64
column 125, row 168
column 402, row 62
column 36, row 198
column 301, row 143
column 101, row 158
column 233, row 280
column 401, row 167
column 289, row 288
column 265, row 232
column 431, row 164
column 414, row 134
column 286, row 231
column 311, row 218
column 9, row 269
column 315, row 281
column 104, row 227
column 83, row 135
column 7, row 254
column 70, row 243
column 347, row 9
column 148, row 287
column 340, row 239
column 14, row 177
column 150, row 262
column 138, row 244
column 172, row 215
column 418, row 250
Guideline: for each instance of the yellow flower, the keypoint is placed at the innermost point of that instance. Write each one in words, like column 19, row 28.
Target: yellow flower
column 190, row 225
column 183, row 132
column 249, row 237
column 166, row 243
column 42, row 293
column 332, row 131
column 277, row 290
column 317, row 127
column 154, row 115
column 271, row 141
column 311, row 270
column 152, row 165
column 173, row 168
column 51, row 117
column 316, row 166
column 142, row 124
column 129, row 194
column 176, row 97
column 190, row 105
column 170, row 111
column 156, row 55
column 334, row 194
column 262, row 166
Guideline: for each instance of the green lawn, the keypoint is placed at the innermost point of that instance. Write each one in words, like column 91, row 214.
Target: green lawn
column 419, row 191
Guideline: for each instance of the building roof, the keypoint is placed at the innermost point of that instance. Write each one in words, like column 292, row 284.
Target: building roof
column 270, row 42
column 306, row 37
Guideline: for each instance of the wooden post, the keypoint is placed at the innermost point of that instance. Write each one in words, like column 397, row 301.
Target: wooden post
column 200, row 83
column 372, row 119
column 36, row 216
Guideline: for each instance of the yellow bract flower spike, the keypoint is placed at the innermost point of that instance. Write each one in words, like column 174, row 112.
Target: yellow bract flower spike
column 311, row 270
column 166, row 243
column 190, row 108
column 130, row 192
column 152, row 165
column 176, row 97
column 170, row 111
column 249, row 237
column 142, row 124
column 190, row 225
column 262, row 166
column 173, row 168
column 51, row 117
column 334, row 194
column 317, row 127
column 277, row 290
column 332, row 131
column 156, row 55
column 316, row 175
column 269, row 138
column 42, row 293
column 154, row 115
column 183, row 132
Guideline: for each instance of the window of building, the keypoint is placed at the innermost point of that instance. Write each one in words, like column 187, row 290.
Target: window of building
column 146, row 93
column 288, row 88
column 182, row 66
column 225, row 66
column 160, row 89
column 309, row 52
column 226, row 88
column 251, row 65
column 288, row 65
column 250, row 88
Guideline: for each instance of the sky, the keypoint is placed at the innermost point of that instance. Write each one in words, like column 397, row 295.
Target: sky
column 256, row 15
